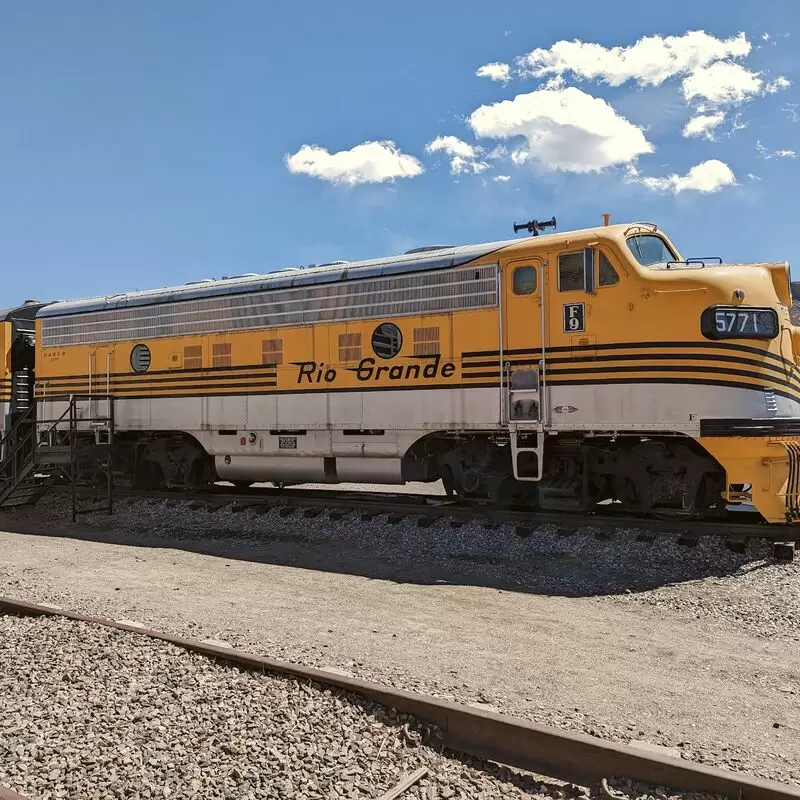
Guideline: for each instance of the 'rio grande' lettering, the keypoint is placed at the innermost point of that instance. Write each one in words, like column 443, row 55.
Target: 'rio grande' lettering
column 429, row 368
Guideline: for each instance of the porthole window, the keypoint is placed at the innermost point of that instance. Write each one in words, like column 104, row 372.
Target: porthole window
column 524, row 280
column 387, row 340
column 140, row 358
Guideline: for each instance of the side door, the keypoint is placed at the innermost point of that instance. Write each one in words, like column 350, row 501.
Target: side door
column 522, row 357
column 99, row 383
column 578, row 302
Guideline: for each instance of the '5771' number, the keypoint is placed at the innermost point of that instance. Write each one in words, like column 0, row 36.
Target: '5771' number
column 736, row 322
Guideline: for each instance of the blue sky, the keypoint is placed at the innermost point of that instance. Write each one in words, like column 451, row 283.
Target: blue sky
column 146, row 143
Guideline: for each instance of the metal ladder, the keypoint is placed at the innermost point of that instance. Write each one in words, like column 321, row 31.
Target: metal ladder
column 525, row 421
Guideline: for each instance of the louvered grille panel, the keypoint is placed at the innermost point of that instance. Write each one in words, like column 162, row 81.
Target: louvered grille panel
column 426, row 341
column 221, row 354
column 193, row 357
column 403, row 295
column 272, row 352
column 349, row 347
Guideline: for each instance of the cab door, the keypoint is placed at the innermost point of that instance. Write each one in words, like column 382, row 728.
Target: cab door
column 582, row 293
column 99, row 383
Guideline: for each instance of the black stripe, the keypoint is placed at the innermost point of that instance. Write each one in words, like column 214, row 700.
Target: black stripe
column 629, row 346
column 168, row 372
column 159, row 391
column 640, row 368
column 770, row 380
column 321, row 389
column 490, row 385
column 677, row 381
column 145, row 379
column 787, row 426
column 649, row 357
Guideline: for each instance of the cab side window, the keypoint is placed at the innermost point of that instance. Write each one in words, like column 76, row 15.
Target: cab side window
column 570, row 272
column 524, row 280
column 608, row 275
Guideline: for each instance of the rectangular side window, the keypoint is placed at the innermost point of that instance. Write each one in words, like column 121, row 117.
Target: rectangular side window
column 221, row 354
column 608, row 275
column 349, row 347
column 272, row 352
column 193, row 357
column 570, row 272
column 426, row 341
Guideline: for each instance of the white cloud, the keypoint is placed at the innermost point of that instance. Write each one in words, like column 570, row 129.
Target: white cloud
column 565, row 129
column 369, row 162
column 766, row 37
column 703, row 125
column 737, row 124
column 650, row 61
column 495, row 71
column 501, row 178
column 768, row 154
column 722, row 82
column 792, row 111
column 753, row 177
column 464, row 157
column 778, row 85
column 706, row 177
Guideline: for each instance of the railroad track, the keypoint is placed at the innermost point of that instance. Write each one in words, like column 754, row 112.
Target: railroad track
column 563, row 755
column 428, row 508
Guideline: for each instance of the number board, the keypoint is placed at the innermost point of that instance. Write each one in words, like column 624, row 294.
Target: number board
column 737, row 322
column 574, row 317
column 287, row 443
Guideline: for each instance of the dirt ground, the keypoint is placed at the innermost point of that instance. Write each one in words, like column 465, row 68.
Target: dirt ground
column 693, row 649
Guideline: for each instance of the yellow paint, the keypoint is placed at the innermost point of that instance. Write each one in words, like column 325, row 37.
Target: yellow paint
column 5, row 371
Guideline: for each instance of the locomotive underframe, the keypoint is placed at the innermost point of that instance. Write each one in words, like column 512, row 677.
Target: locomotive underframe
column 643, row 474
column 657, row 474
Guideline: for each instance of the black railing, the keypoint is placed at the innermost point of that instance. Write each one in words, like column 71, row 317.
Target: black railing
column 55, row 445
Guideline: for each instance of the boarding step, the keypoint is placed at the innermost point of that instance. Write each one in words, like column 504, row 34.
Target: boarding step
column 28, row 488
column 57, row 454
column 527, row 453
column 560, row 494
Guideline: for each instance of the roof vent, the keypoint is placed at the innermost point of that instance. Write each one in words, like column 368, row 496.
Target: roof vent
column 30, row 302
column 333, row 264
column 428, row 249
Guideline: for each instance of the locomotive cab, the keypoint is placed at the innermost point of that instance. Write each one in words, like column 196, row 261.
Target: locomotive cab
column 652, row 378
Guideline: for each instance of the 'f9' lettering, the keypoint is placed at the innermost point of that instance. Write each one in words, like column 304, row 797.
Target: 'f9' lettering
column 574, row 318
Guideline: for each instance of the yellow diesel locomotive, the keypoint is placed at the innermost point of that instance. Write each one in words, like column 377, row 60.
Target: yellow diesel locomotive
column 561, row 371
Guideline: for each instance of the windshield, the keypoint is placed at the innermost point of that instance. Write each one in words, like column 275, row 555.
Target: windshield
column 649, row 249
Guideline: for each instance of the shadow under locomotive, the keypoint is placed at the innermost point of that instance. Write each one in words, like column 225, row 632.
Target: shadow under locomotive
column 544, row 562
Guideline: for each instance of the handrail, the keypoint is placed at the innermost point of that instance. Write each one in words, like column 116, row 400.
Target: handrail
column 24, row 418
column 32, row 436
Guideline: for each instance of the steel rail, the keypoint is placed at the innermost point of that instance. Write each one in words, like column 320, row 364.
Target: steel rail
column 484, row 734
column 10, row 794
column 439, row 506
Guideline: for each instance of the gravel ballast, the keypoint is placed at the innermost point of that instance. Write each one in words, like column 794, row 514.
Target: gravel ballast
column 690, row 648
column 90, row 712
